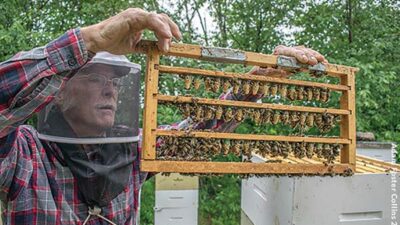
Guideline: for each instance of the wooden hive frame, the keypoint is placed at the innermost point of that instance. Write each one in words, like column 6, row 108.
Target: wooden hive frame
column 152, row 97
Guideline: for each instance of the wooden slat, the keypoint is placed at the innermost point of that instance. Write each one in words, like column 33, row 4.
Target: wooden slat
column 348, row 124
column 252, row 58
column 240, row 167
column 255, row 137
column 194, row 71
column 184, row 99
column 150, row 111
column 377, row 162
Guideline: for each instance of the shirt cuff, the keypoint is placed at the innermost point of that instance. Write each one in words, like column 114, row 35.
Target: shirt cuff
column 68, row 52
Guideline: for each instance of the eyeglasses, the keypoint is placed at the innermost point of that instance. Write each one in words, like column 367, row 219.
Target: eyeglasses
column 99, row 81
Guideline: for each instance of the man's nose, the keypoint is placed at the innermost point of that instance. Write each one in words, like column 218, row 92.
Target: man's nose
column 109, row 89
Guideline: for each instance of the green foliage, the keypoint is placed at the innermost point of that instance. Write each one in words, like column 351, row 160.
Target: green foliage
column 147, row 199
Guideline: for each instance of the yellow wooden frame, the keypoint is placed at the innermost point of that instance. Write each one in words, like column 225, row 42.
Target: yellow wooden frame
column 152, row 97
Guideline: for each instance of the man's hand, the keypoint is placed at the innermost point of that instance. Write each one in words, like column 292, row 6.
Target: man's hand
column 121, row 33
column 301, row 53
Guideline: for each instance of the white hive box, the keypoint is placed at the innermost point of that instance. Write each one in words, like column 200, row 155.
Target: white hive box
column 176, row 200
column 362, row 199
column 378, row 150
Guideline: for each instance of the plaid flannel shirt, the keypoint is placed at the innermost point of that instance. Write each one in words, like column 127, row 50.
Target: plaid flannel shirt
column 36, row 186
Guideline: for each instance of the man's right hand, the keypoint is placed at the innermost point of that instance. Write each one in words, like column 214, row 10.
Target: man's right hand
column 121, row 33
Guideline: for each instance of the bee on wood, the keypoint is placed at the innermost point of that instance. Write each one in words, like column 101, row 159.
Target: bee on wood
column 216, row 85
column 319, row 121
column 261, row 88
column 246, row 88
column 319, row 150
column 256, row 116
column 226, row 85
column 188, row 82
column 226, row 145
column 247, row 149
column 239, row 115
column 186, row 109
column 327, row 153
column 300, row 93
column 274, row 89
column 302, row 120
column 294, row 119
column 265, row 148
column 276, row 118
column 286, row 149
column 267, row 87
column 199, row 113
column 228, row 116
column 236, row 86
column 209, row 113
column 283, row 90
column 207, row 83
column 310, row 120
column 218, row 113
column 285, row 118
column 197, row 83
column 266, row 116
column 310, row 150
column 255, row 87
column 317, row 94
column 236, row 148
column 310, row 94
column 291, row 94
column 275, row 151
column 324, row 95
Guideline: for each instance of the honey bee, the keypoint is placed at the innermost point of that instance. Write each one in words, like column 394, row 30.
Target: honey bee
column 199, row 113
column 226, row 145
column 309, row 92
column 285, row 118
column 239, row 115
column 209, row 113
column 300, row 93
column 310, row 120
column 247, row 149
column 310, row 150
column 317, row 94
column 283, row 91
column 286, row 149
column 246, row 88
column 228, row 115
column 255, row 87
column 274, row 89
column 275, row 151
column 266, row 116
column 226, row 85
column 294, row 119
column 291, row 94
column 236, row 148
column 265, row 148
column 188, row 82
column 218, row 113
column 303, row 150
column 327, row 153
column 207, row 83
column 276, row 118
column 256, row 116
column 267, row 87
column 319, row 150
column 303, row 117
column 186, row 109
column 216, row 85
column 319, row 120
column 324, row 95
column 261, row 88
column 236, row 86
column 197, row 83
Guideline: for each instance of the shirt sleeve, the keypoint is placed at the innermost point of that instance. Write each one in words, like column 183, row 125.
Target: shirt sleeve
column 30, row 80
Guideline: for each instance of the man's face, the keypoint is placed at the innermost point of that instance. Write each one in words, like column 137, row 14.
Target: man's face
column 89, row 101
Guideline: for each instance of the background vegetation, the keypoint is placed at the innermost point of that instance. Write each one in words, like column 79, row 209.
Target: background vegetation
column 360, row 33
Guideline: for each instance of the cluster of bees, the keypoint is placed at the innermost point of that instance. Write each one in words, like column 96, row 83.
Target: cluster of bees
column 254, row 87
column 205, row 149
column 303, row 120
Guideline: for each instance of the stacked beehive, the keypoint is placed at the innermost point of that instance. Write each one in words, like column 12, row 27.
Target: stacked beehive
column 190, row 151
